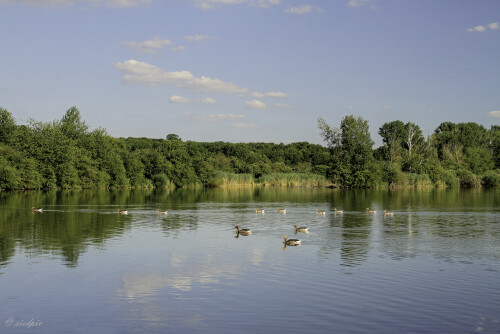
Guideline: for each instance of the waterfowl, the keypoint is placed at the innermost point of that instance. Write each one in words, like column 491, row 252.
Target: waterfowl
column 160, row 212
column 244, row 231
column 301, row 229
column 338, row 211
column 318, row 212
column 122, row 212
column 259, row 211
column 36, row 209
column 291, row 242
column 370, row 211
column 281, row 210
column 388, row 213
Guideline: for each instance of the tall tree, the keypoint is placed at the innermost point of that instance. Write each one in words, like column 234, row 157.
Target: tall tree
column 72, row 125
column 393, row 134
column 7, row 126
column 351, row 148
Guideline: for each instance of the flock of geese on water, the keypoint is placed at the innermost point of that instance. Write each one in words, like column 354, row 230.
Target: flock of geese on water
column 246, row 231
column 304, row 229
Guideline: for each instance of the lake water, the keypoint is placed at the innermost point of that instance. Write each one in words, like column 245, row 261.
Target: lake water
column 80, row 267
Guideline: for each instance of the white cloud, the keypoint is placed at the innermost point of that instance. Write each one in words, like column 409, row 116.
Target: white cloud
column 178, row 48
column 209, row 4
column 179, row 99
column 258, row 95
column 357, row 3
column 256, row 104
column 208, row 85
column 149, row 46
column 494, row 26
column 245, row 125
column 477, row 29
column 197, row 38
column 54, row 3
column 350, row 107
column 136, row 72
column 218, row 117
column 481, row 28
column 494, row 113
column 302, row 10
column 208, row 100
column 141, row 73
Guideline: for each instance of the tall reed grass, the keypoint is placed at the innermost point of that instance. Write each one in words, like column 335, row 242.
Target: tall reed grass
column 309, row 180
column 224, row 179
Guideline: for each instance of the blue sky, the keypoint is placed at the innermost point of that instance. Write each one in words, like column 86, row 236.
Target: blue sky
column 250, row 70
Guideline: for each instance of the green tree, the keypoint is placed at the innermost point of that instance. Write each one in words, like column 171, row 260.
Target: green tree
column 7, row 126
column 393, row 134
column 351, row 147
column 72, row 125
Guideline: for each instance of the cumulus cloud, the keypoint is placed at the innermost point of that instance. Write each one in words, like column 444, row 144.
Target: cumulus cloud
column 219, row 117
column 481, row 28
column 55, row 3
column 258, row 95
column 142, row 73
column 209, row 4
column 256, row 104
column 302, row 10
column 179, row 99
column 494, row 26
column 136, row 72
column 149, row 46
column 208, row 100
column 208, row 85
column 494, row 113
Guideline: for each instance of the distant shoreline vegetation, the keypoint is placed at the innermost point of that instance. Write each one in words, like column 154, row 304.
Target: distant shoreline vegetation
column 65, row 154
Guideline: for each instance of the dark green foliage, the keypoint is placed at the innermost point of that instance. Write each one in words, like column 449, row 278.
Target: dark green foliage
column 66, row 154
column 491, row 178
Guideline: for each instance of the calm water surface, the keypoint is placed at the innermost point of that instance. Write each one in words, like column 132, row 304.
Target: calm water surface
column 79, row 267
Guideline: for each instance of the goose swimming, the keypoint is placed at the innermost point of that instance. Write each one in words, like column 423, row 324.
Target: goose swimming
column 244, row 231
column 291, row 242
column 370, row 211
column 161, row 212
column 259, row 211
column 281, row 210
column 36, row 209
column 301, row 229
column 122, row 212
column 388, row 213
column 318, row 212
column 338, row 211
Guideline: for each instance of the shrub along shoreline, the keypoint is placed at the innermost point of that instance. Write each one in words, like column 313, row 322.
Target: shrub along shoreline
column 65, row 154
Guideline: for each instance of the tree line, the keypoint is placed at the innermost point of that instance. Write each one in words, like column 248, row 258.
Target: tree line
column 66, row 154
column 463, row 154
